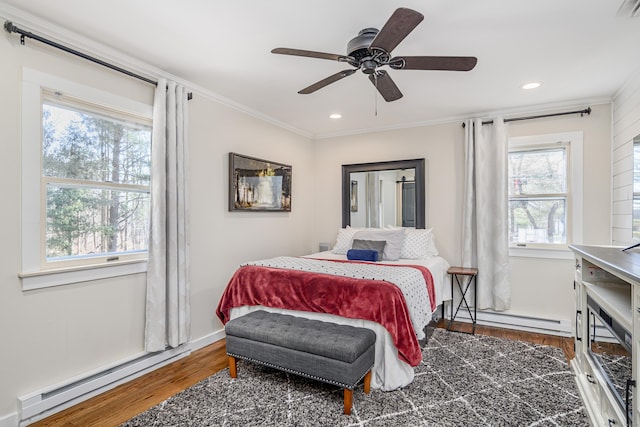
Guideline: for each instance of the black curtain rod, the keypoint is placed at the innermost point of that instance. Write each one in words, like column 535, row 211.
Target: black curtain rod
column 10, row 28
column 586, row 111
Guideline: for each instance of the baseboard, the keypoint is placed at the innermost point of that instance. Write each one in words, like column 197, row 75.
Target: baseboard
column 496, row 319
column 206, row 340
column 51, row 400
column 10, row 420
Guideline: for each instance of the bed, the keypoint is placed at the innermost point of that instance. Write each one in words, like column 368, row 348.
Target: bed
column 395, row 297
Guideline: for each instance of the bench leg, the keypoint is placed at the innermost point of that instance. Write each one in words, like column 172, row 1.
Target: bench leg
column 348, row 401
column 232, row 367
column 367, row 382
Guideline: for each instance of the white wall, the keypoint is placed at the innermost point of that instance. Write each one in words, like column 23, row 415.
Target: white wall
column 51, row 335
column 626, row 125
column 540, row 287
column 221, row 240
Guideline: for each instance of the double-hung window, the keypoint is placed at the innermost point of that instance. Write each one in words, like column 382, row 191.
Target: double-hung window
column 95, row 176
column 86, row 159
column 538, row 195
column 545, row 191
column 636, row 189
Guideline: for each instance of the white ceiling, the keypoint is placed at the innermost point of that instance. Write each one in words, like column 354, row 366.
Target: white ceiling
column 580, row 49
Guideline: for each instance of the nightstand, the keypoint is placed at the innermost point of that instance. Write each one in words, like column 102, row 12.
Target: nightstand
column 465, row 278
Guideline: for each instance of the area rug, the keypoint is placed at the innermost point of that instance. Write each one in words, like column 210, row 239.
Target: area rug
column 463, row 380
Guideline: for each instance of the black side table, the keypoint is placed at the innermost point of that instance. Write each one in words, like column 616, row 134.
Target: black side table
column 465, row 277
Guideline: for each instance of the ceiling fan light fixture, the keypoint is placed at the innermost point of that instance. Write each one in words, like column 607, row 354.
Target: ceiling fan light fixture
column 531, row 85
column 371, row 49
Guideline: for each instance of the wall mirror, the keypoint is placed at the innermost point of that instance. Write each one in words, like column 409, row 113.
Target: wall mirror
column 384, row 193
column 635, row 228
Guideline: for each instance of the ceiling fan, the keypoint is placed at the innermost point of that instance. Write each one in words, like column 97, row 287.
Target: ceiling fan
column 371, row 49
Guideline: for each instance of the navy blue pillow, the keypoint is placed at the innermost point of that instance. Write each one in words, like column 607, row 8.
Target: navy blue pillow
column 362, row 255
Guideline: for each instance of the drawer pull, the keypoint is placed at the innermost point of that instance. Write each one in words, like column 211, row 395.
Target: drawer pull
column 611, row 422
column 578, row 318
column 590, row 379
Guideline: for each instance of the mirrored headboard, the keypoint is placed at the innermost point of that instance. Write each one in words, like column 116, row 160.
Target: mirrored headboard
column 374, row 193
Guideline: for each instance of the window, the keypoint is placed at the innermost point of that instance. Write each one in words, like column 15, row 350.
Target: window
column 85, row 182
column 538, row 196
column 545, row 193
column 636, row 189
column 96, row 173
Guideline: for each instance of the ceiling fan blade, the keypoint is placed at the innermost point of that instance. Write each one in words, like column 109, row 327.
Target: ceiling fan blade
column 385, row 85
column 449, row 63
column 312, row 54
column 399, row 25
column 325, row 82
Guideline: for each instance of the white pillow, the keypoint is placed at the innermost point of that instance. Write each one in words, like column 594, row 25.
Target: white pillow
column 394, row 238
column 418, row 243
column 431, row 245
column 343, row 241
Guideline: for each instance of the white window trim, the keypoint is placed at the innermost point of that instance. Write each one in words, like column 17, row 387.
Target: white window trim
column 32, row 275
column 575, row 191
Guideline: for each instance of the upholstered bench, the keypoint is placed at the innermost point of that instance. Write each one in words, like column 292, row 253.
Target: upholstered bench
column 337, row 354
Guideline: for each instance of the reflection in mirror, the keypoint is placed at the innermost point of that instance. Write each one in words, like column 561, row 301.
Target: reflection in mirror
column 384, row 193
column 388, row 198
column 636, row 188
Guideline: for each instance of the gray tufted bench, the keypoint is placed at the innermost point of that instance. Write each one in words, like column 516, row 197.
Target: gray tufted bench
column 337, row 354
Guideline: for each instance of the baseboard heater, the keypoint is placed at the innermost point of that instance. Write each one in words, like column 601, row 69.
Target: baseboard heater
column 36, row 406
column 518, row 322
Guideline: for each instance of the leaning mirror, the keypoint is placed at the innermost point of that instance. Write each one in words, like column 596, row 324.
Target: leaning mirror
column 384, row 193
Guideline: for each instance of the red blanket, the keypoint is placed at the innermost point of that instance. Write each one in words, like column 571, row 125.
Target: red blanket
column 374, row 300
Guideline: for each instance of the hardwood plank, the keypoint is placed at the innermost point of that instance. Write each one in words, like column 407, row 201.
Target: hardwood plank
column 565, row 343
column 116, row 406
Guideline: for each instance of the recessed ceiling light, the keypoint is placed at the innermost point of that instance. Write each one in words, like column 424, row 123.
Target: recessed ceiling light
column 531, row 85
column 335, row 116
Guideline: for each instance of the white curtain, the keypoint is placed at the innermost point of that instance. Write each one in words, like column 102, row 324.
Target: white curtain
column 373, row 199
column 167, row 307
column 485, row 242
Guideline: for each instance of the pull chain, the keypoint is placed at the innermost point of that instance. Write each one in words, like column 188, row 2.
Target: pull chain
column 375, row 96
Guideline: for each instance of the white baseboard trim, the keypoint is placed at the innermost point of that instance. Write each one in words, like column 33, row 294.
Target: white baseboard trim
column 9, row 420
column 206, row 340
column 522, row 323
column 48, row 401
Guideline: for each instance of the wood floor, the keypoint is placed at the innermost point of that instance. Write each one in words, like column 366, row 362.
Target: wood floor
column 116, row 406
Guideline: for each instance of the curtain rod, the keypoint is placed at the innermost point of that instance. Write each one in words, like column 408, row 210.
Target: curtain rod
column 10, row 28
column 586, row 111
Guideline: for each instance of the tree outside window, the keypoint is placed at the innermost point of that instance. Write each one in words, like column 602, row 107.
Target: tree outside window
column 538, row 196
column 96, row 176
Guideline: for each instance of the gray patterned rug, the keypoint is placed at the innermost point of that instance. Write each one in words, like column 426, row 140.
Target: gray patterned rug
column 464, row 380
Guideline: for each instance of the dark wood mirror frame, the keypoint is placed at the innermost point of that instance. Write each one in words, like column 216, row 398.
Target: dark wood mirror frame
column 417, row 164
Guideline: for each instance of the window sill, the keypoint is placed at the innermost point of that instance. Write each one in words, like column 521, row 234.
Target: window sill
column 66, row 276
column 549, row 253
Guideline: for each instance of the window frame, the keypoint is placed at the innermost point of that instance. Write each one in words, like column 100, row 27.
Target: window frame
column 34, row 274
column 574, row 143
